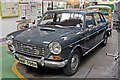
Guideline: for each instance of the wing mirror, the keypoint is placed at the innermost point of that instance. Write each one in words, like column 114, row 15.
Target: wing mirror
column 79, row 25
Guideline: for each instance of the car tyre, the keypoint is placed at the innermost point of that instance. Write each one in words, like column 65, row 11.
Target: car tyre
column 104, row 43
column 109, row 33
column 73, row 64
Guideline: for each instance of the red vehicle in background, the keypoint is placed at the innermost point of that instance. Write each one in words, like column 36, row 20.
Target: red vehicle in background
column 23, row 23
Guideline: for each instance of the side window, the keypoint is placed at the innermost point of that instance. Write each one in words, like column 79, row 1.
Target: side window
column 48, row 18
column 102, row 18
column 71, row 19
column 97, row 18
column 90, row 22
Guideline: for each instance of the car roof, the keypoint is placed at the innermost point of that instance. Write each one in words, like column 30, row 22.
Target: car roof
column 99, row 6
column 72, row 11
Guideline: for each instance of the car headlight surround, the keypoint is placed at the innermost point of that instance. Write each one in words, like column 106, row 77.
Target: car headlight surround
column 10, row 40
column 55, row 48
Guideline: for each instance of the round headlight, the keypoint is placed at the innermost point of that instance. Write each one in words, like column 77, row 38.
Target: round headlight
column 10, row 40
column 55, row 47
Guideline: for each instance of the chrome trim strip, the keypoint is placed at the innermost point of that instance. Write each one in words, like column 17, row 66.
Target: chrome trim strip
column 74, row 48
column 85, row 37
column 92, row 48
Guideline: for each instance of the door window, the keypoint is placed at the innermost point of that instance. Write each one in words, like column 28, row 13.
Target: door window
column 90, row 22
column 97, row 18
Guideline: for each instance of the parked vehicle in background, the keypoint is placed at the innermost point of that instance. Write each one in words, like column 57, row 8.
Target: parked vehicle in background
column 106, row 11
column 116, row 14
column 60, row 40
column 23, row 23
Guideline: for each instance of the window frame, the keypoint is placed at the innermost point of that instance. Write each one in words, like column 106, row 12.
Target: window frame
column 94, row 24
column 96, row 21
column 102, row 17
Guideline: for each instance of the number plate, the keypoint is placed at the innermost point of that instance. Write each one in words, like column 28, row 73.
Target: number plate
column 28, row 62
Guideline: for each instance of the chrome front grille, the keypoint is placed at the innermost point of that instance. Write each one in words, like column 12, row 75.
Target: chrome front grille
column 30, row 49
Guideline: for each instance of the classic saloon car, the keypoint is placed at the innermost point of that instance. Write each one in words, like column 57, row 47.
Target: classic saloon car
column 60, row 39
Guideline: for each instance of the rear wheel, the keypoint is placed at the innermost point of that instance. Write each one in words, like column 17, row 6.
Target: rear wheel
column 109, row 32
column 104, row 41
column 73, row 64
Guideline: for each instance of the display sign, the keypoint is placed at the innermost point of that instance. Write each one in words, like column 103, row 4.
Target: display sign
column 25, row 9
column 24, row 1
column 39, row 10
column 9, row 8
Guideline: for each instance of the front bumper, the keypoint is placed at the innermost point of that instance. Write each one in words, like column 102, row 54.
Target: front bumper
column 43, row 62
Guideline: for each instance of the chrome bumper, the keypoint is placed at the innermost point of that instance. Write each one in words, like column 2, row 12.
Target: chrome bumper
column 43, row 62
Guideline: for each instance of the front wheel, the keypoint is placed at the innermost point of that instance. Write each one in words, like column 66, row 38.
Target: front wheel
column 73, row 64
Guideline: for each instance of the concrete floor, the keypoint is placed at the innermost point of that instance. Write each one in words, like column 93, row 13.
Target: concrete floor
column 96, row 64
column 119, row 54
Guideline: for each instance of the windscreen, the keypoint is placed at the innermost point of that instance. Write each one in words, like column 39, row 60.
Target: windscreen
column 62, row 19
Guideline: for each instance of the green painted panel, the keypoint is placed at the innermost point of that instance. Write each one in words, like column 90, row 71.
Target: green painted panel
column 111, row 5
column 7, row 62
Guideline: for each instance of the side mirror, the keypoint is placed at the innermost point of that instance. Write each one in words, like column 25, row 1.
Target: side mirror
column 79, row 25
column 33, row 22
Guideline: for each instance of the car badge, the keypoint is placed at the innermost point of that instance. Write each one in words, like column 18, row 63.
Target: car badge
column 64, row 38
column 28, row 40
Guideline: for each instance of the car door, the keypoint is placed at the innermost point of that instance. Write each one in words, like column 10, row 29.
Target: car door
column 90, row 35
column 101, row 26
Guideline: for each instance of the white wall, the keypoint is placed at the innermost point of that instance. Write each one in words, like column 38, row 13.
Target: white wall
column 7, row 26
column 0, row 27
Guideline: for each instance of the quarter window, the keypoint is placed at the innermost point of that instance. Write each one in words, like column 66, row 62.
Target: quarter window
column 102, row 18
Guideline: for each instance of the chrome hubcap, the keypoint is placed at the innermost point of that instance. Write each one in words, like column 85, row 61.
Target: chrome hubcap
column 74, row 62
column 105, row 41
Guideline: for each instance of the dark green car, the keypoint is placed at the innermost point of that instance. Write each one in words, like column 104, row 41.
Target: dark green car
column 60, row 39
